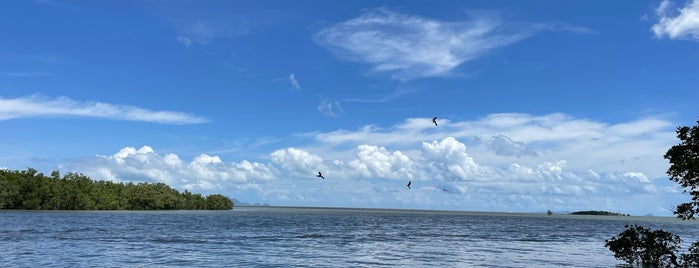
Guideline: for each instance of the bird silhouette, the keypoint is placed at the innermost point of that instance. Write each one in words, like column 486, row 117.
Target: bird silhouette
column 320, row 175
column 434, row 120
column 409, row 182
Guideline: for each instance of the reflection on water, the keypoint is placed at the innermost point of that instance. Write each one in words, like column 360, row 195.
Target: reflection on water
column 283, row 237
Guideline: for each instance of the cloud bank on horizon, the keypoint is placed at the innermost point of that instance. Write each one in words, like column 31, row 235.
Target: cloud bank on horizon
column 520, row 162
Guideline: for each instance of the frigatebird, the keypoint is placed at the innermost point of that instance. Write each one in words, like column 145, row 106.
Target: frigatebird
column 409, row 182
column 434, row 120
column 320, row 175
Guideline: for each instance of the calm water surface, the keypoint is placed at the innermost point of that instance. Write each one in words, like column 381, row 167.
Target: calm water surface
column 308, row 237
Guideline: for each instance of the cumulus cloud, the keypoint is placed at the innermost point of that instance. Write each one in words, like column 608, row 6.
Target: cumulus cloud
column 144, row 164
column 544, row 172
column 453, row 166
column 40, row 106
column 297, row 162
column 410, row 46
column 681, row 23
column 294, row 83
column 377, row 162
column 503, row 145
column 630, row 182
column 449, row 156
column 552, row 136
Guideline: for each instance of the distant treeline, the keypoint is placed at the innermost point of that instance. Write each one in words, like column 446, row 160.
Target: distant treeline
column 597, row 212
column 28, row 189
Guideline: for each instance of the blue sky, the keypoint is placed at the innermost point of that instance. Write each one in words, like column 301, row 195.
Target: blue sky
column 561, row 105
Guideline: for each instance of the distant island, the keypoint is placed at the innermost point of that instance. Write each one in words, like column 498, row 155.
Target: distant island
column 241, row 203
column 597, row 212
column 31, row 190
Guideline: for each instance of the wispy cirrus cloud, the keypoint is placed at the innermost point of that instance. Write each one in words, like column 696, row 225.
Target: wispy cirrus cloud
column 381, row 99
column 42, row 106
column 184, row 40
column 197, row 24
column 28, row 74
column 205, row 31
column 410, row 46
column 680, row 23
column 329, row 108
column 294, row 83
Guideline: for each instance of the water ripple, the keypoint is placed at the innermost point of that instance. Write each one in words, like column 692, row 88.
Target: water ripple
column 286, row 237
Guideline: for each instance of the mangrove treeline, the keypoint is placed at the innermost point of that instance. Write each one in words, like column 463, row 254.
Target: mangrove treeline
column 29, row 189
column 599, row 213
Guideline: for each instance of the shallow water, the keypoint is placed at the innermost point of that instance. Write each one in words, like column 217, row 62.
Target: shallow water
column 314, row 237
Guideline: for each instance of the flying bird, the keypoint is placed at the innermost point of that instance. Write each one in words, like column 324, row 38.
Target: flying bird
column 320, row 175
column 434, row 120
column 409, row 182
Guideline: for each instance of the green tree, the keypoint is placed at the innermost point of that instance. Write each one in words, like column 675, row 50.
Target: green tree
column 691, row 259
column 218, row 202
column 193, row 201
column 641, row 246
column 9, row 192
column 684, row 168
column 637, row 245
column 29, row 189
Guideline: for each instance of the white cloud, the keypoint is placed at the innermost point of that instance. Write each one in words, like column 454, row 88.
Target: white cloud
column 234, row 68
column 451, row 167
column 381, row 99
column 29, row 74
column 410, row 46
column 184, row 40
column 631, row 182
column 294, row 83
column 677, row 24
column 377, row 162
column 298, row 162
column 40, row 106
column 206, row 31
column 449, row 158
column 144, row 164
column 329, row 108
column 553, row 137
column 503, row 145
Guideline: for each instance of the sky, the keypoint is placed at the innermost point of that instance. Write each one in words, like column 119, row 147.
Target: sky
column 540, row 105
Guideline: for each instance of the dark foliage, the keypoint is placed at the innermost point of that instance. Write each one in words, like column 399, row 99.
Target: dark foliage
column 691, row 259
column 637, row 245
column 684, row 168
column 597, row 212
column 640, row 246
column 29, row 189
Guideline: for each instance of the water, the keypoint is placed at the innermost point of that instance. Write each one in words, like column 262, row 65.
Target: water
column 307, row 237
